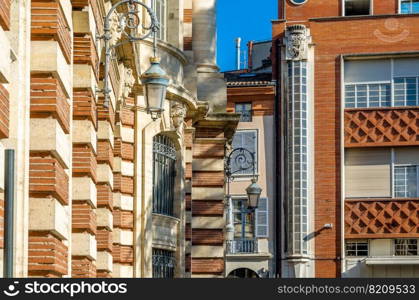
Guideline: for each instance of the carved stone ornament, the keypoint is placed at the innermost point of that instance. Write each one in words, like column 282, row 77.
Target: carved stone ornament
column 116, row 27
column 178, row 114
column 296, row 41
column 129, row 81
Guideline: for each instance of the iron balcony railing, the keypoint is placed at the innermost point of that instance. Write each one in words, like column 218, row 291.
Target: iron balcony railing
column 242, row 246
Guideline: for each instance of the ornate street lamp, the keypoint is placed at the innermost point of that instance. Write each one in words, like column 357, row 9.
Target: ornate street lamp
column 239, row 160
column 155, row 82
column 128, row 23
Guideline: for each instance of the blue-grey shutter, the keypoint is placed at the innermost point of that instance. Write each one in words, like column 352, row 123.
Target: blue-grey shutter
column 245, row 139
column 262, row 218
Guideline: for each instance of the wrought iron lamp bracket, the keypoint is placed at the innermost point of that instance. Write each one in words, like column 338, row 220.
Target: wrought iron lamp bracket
column 129, row 24
column 244, row 160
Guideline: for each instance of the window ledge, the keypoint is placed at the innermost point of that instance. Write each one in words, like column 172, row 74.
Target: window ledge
column 393, row 260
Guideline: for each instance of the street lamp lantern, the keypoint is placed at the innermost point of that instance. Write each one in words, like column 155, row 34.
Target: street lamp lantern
column 125, row 18
column 253, row 194
column 155, row 82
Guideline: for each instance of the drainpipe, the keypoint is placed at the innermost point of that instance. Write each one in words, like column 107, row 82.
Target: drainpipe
column 9, row 175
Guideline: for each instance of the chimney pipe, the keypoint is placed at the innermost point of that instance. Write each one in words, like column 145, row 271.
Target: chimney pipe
column 238, row 52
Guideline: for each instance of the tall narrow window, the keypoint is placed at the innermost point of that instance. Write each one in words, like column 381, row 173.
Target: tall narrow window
column 245, row 109
column 297, row 156
column 164, row 263
column 244, row 231
column 160, row 9
column 357, row 7
column 406, row 181
column 245, row 139
column 164, row 174
column 409, row 6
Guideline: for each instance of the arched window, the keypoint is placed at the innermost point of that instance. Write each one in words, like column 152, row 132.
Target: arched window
column 164, row 174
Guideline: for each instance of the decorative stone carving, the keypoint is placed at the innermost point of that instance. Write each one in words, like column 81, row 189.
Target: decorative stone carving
column 178, row 114
column 129, row 81
column 296, row 40
column 116, row 27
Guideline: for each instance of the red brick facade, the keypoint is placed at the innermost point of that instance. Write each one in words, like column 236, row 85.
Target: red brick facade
column 334, row 36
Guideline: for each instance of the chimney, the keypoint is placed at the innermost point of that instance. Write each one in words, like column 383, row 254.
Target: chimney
column 238, row 53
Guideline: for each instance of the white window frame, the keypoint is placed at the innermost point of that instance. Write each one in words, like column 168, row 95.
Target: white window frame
column 391, row 82
column 399, row 11
column 357, row 241
column 162, row 33
column 394, row 179
column 371, row 8
column 256, row 154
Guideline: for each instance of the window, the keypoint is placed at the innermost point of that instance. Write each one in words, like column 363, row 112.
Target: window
column 406, row 91
column 406, row 247
column 160, row 9
column 368, row 95
column 245, row 139
column 409, row 6
column 246, row 111
column 357, row 248
column 164, row 263
column 243, row 220
column 297, row 156
column 382, row 83
column 406, row 181
column 357, row 7
column 164, row 174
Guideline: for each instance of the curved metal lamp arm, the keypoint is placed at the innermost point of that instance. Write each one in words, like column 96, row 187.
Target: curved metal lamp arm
column 244, row 159
column 129, row 23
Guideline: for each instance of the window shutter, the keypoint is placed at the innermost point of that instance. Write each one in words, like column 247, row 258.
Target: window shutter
column 245, row 139
column 262, row 216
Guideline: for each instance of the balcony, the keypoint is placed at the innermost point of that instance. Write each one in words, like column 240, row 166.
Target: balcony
column 244, row 246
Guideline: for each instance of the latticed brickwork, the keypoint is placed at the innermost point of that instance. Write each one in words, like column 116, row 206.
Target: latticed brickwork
column 381, row 218
column 381, row 127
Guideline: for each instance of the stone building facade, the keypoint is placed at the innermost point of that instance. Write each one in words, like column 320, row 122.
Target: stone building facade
column 252, row 93
column 86, row 183
column 348, row 89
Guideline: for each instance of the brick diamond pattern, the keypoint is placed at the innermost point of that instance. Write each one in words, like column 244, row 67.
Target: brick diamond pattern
column 382, row 218
column 381, row 127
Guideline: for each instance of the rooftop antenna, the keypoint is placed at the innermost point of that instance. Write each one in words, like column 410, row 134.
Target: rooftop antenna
column 238, row 52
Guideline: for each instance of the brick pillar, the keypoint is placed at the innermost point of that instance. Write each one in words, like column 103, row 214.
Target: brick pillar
column 50, row 160
column 208, row 220
column 85, row 145
column 189, row 136
column 123, row 213
column 105, row 188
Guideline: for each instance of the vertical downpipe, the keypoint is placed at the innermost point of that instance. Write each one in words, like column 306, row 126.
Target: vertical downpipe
column 9, row 172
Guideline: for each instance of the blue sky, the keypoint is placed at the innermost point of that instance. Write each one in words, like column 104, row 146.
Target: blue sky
column 248, row 19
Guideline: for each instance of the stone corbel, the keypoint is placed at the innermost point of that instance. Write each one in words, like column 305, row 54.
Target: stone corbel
column 127, row 85
column 177, row 115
